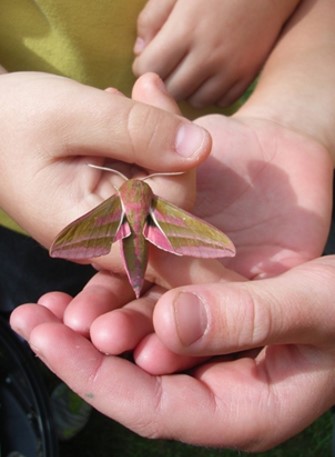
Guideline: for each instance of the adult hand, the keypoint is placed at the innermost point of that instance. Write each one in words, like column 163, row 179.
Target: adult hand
column 243, row 401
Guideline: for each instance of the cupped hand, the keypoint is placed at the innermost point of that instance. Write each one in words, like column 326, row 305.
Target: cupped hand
column 243, row 400
column 52, row 127
column 288, row 315
column 270, row 190
column 267, row 187
column 274, row 186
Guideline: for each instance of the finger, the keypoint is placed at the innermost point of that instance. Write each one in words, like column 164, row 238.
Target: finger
column 56, row 302
column 151, row 90
column 116, row 127
column 211, row 91
column 295, row 307
column 26, row 317
column 171, row 43
column 106, row 383
column 260, row 392
column 103, row 293
column 203, row 86
column 186, row 78
column 121, row 330
column 112, row 331
column 155, row 358
column 150, row 20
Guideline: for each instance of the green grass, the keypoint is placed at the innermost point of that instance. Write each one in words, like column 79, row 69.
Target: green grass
column 105, row 438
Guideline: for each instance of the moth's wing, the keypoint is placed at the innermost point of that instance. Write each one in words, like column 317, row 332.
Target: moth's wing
column 175, row 230
column 93, row 233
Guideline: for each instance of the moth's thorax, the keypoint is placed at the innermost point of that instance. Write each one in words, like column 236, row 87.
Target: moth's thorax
column 136, row 197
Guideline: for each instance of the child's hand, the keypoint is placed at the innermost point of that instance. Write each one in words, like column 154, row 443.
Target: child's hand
column 208, row 52
column 52, row 127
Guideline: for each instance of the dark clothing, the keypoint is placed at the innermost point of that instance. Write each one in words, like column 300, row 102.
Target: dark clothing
column 27, row 271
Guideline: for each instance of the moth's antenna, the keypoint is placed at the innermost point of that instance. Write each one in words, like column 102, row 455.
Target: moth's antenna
column 117, row 172
column 172, row 173
column 152, row 175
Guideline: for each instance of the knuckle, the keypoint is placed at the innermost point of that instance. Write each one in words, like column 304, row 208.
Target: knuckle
column 150, row 425
column 248, row 323
column 143, row 132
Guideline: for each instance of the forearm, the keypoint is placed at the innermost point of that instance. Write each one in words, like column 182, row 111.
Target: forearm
column 296, row 88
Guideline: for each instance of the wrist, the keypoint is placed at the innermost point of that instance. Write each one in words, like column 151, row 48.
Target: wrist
column 295, row 88
column 306, row 109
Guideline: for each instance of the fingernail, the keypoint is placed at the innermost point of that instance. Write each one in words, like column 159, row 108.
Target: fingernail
column 190, row 318
column 190, row 140
column 139, row 45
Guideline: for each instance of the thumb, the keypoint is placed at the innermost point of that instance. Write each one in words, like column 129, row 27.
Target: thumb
column 150, row 89
column 211, row 319
column 135, row 132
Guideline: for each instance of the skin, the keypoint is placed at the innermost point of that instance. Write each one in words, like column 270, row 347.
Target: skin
column 198, row 48
column 49, row 166
column 251, row 387
column 274, row 333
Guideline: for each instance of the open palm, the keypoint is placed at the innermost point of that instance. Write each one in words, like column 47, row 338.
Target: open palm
column 267, row 187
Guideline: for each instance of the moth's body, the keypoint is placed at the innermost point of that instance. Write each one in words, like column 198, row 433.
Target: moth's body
column 135, row 216
column 136, row 199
